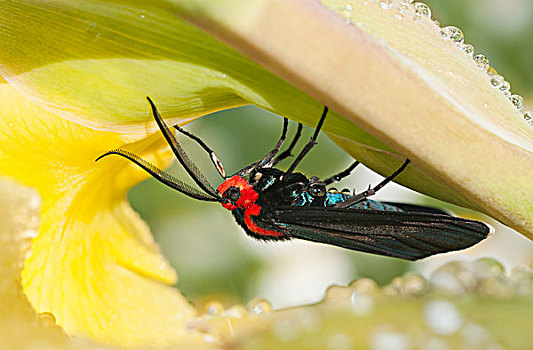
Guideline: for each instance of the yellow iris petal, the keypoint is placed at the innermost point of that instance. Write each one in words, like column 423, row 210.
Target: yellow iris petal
column 94, row 264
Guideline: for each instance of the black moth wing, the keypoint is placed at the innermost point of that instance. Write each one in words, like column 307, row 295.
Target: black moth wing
column 407, row 235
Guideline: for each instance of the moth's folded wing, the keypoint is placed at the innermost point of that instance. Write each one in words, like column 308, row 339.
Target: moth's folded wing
column 406, row 235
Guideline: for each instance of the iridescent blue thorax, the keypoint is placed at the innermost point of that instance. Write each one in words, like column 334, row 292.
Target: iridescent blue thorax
column 278, row 189
column 333, row 198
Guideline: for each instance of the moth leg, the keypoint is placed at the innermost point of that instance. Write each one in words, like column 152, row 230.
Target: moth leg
column 287, row 152
column 276, row 149
column 268, row 158
column 371, row 191
column 312, row 142
column 338, row 177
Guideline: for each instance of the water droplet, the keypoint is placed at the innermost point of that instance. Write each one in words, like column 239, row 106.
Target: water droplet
column 414, row 285
column 347, row 12
column 361, row 304
column 453, row 33
column 487, row 267
column 385, row 4
column 259, row 306
column 482, row 61
column 468, row 49
column 93, row 30
column 437, row 23
column 522, row 280
column 517, row 101
column 422, row 9
column 528, row 117
column 403, row 8
column 442, row 317
column 333, row 190
column 142, row 15
column 237, row 311
column 364, row 286
column 339, row 341
column 497, row 81
column 394, row 288
column 346, row 191
column 473, row 334
column 388, row 340
column 336, row 293
column 506, row 88
column 47, row 319
column 214, row 308
column 454, row 278
column 208, row 338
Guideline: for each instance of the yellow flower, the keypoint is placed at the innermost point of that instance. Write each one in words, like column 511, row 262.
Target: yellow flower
column 76, row 77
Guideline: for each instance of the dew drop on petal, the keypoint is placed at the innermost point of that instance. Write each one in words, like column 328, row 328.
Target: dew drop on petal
column 237, row 311
column 385, row 4
column 422, row 9
column 453, row 33
column 468, row 49
column 506, row 88
column 388, row 340
column 361, row 303
column 93, row 30
column 336, row 293
column 208, row 338
column 47, row 319
column 347, row 12
column 339, row 341
column 482, row 61
column 403, row 8
column 497, row 81
column 528, row 117
column 414, row 285
column 259, row 306
column 474, row 335
column 442, row 317
column 517, row 101
column 214, row 308
column 364, row 286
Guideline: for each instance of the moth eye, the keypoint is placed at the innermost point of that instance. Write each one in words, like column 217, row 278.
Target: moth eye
column 234, row 195
column 317, row 189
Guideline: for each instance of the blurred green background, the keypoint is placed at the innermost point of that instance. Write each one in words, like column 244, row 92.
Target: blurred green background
column 214, row 257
